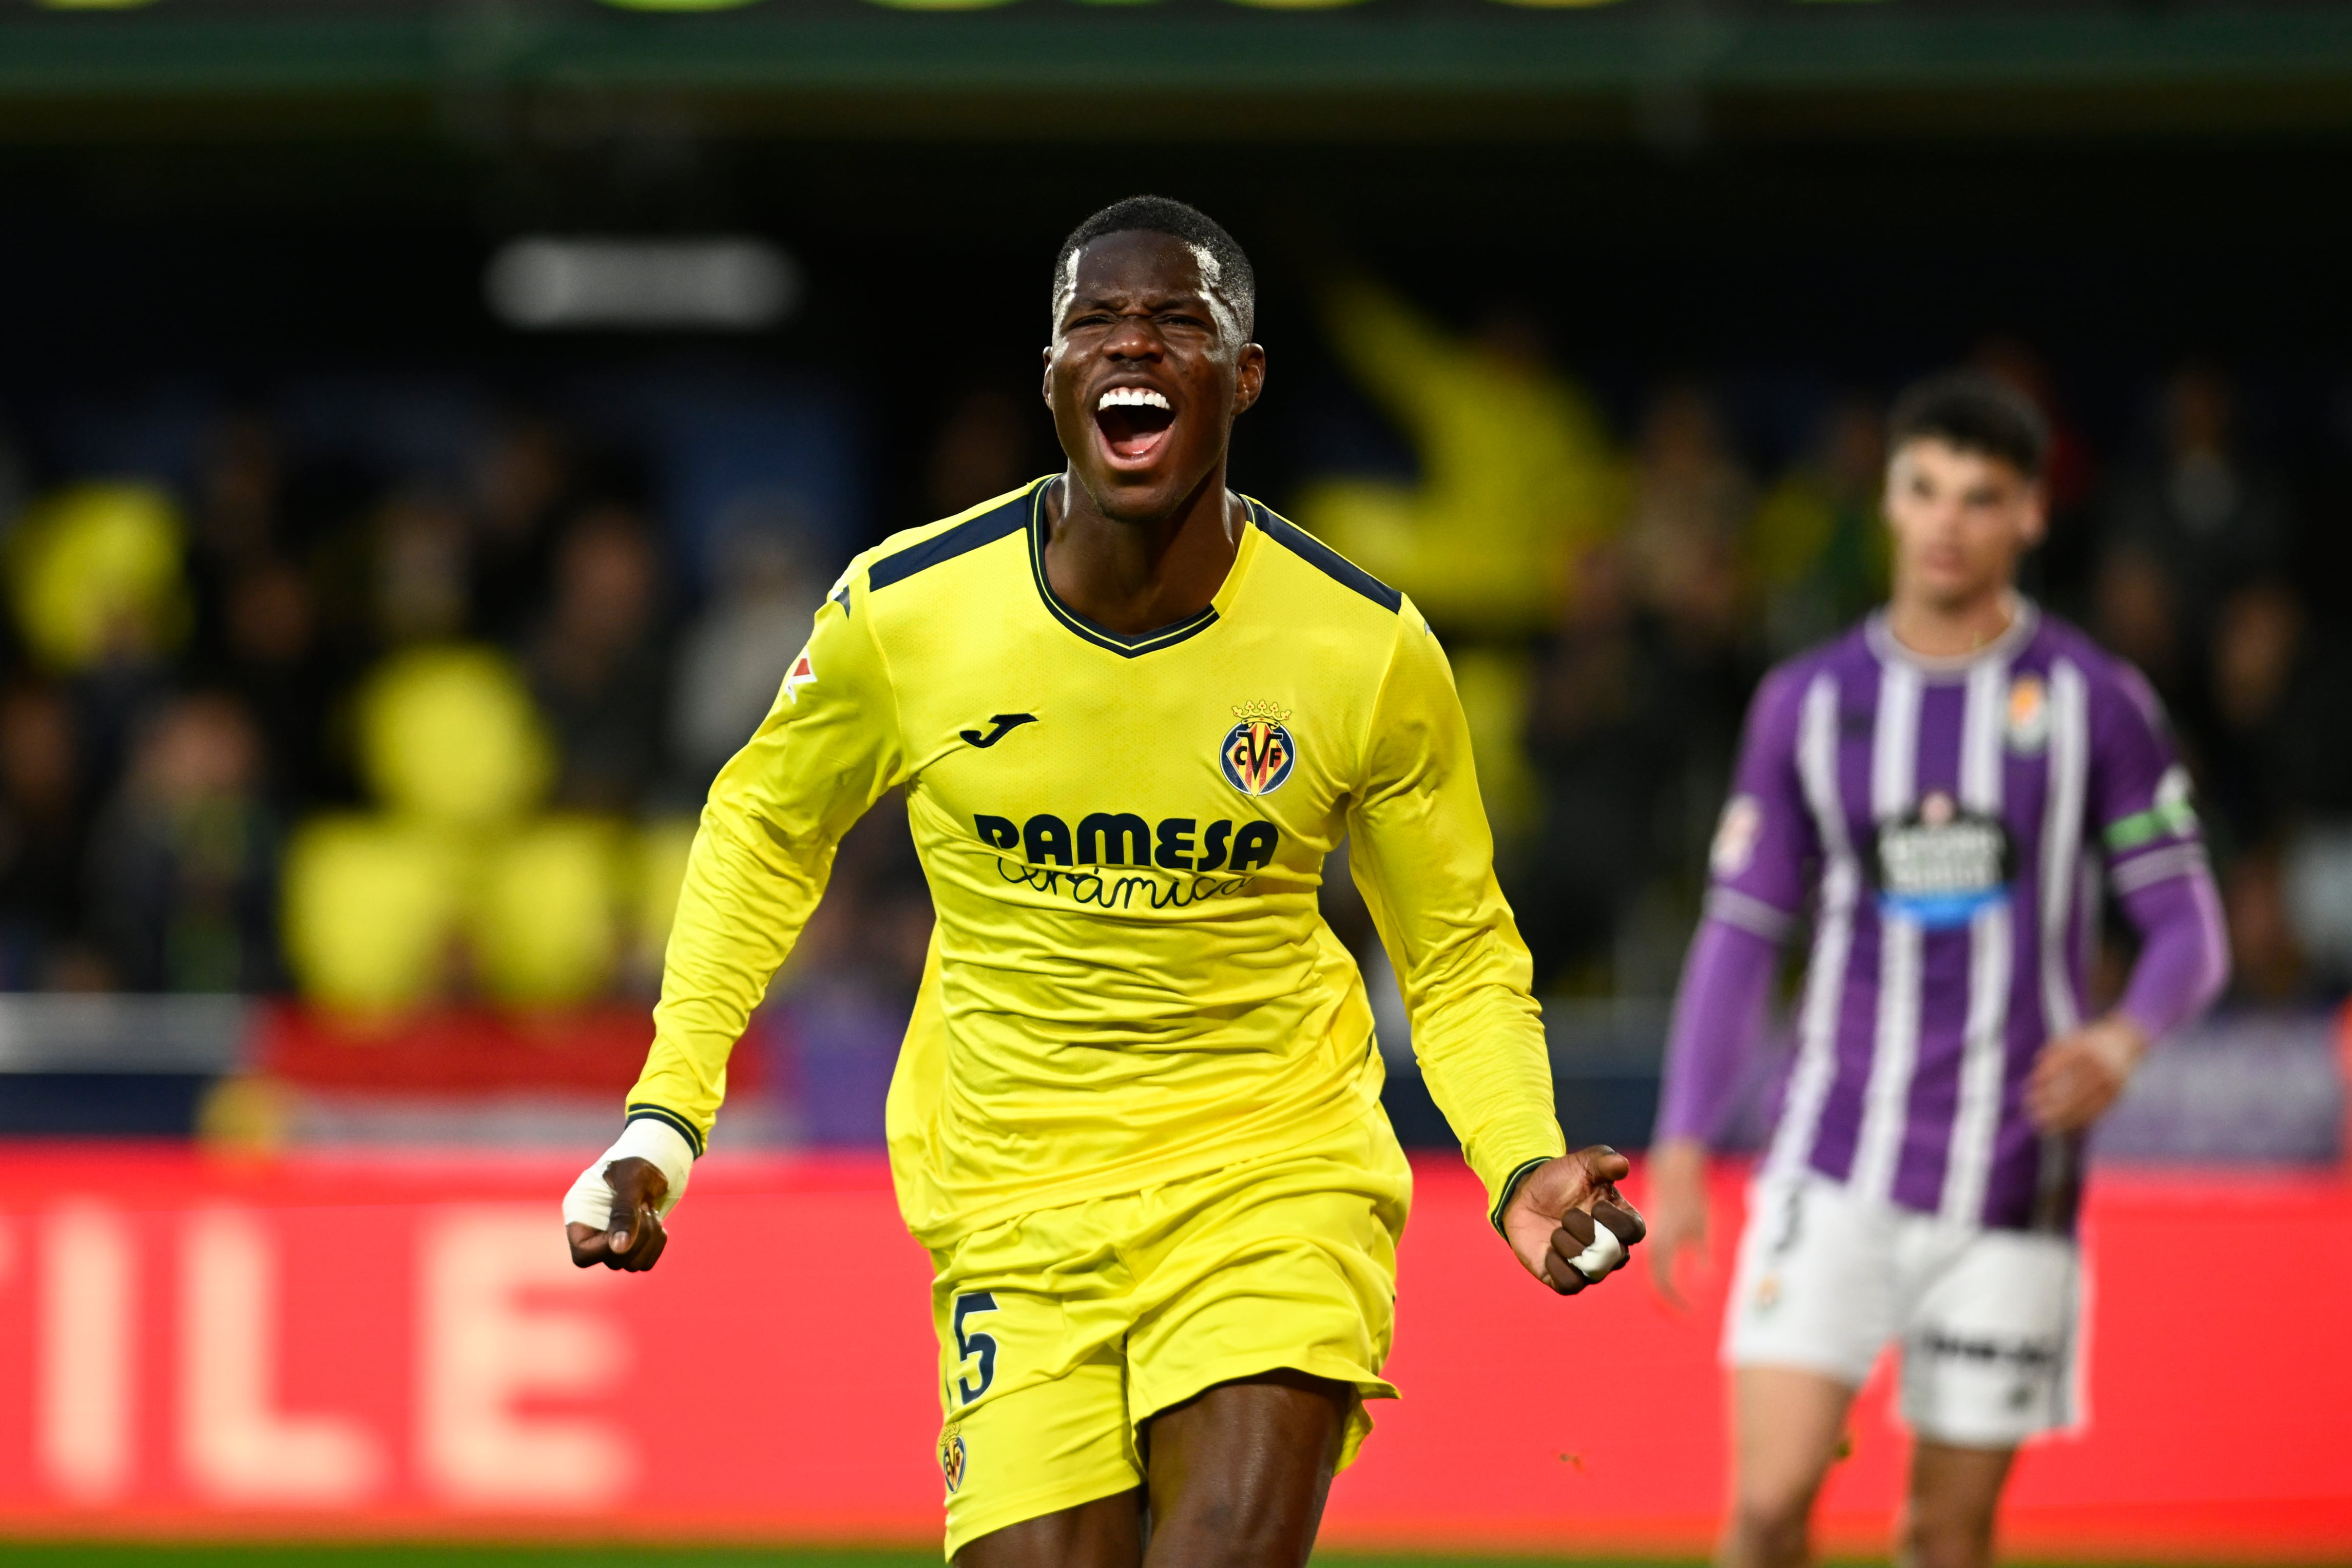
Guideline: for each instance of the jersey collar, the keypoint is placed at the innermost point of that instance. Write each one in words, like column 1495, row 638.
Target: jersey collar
column 1140, row 643
column 1889, row 650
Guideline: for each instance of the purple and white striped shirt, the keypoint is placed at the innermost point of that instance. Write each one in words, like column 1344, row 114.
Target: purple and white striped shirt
column 1946, row 822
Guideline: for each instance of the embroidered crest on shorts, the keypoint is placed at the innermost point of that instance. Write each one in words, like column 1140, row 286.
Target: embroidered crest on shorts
column 1258, row 753
column 952, row 1457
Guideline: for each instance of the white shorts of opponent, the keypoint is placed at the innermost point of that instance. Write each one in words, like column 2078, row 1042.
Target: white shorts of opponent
column 1989, row 1321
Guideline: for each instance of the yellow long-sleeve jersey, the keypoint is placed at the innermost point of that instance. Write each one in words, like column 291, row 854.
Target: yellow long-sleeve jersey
column 1129, row 981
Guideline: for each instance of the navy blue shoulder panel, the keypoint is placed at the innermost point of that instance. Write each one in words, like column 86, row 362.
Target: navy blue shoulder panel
column 1328, row 562
column 969, row 535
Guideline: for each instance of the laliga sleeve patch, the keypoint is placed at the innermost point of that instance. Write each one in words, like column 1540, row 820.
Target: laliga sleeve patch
column 1736, row 836
column 802, row 674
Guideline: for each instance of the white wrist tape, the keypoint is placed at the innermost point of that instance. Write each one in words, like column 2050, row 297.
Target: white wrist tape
column 590, row 1201
column 1601, row 1256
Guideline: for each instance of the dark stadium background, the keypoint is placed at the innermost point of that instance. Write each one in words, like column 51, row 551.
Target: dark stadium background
column 218, row 266
column 217, row 208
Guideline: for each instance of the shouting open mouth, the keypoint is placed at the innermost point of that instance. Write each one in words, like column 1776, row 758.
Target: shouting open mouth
column 1134, row 421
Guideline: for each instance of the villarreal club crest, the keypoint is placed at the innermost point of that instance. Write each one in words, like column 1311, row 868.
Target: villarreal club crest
column 953, row 1457
column 1258, row 752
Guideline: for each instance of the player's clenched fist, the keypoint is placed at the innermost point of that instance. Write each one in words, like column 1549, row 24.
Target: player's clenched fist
column 633, row 1239
column 1567, row 1222
column 614, row 1213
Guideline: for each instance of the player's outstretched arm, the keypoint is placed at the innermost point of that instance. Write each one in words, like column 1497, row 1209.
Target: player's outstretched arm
column 1758, row 867
column 2139, row 795
column 826, row 751
column 1676, row 1172
column 1567, row 1223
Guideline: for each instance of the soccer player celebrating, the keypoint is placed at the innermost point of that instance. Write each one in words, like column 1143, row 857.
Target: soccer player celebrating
column 1135, row 1119
column 1940, row 789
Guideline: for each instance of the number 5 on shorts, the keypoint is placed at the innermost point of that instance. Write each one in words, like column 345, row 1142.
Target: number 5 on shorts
column 974, row 1345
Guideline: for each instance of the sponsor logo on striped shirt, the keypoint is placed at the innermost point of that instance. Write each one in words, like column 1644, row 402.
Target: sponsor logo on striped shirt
column 1939, row 864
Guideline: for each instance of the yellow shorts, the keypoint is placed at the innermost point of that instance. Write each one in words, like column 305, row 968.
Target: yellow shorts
column 1062, row 1332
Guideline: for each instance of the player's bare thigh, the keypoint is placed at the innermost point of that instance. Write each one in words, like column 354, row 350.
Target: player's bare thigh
column 1790, row 1423
column 1948, row 1519
column 1787, row 1423
column 1237, row 1474
column 1107, row 1532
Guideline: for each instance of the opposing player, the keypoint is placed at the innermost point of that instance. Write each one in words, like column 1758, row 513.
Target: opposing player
column 1943, row 789
column 1135, row 1119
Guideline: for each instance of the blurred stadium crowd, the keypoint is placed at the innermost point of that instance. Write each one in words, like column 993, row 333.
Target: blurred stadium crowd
column 396, row 697
column 1612, row 589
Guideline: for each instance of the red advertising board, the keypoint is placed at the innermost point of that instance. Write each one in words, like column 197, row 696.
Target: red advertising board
column 398, row 1344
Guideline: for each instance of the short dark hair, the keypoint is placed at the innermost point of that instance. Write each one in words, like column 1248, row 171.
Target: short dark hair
column 1231, row 274
column 1975, row 411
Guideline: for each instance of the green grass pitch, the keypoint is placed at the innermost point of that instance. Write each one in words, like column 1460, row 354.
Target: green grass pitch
column 421, row 1555
column 435, row 1554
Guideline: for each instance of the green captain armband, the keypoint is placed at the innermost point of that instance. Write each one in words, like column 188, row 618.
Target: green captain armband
column 2169, row 815
column 2169, row 819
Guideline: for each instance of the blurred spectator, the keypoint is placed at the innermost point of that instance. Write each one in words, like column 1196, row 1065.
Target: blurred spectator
column 520, row 482
column 2276, row 754
column 843, row 1027
column 850, row 986
column 2209, row 512
column 499, row 662
column 982, row 450
column 449, row 736
column 181, row 877
column 235, row 517
column 1518, row 476
column 2136, row 612
column 734, row 656
column 2061, row 570
column 95, row 573
column 272, row 661
column 2265, row 962
column 12, row 477
column 2323, row 551
column 1818, row 551
column 597, row 666
column 1693, row 503
column 376, row 905
column 1637, row 714
column 2257, row 641
column 2318, row 742
column 2318, row 897
column 421, row 570
column 236, row 511
column 1695, row 510
column 41, row 836
column 1592, row 734
column 2070, row 475
column 100, row 596
column 1517, row 473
